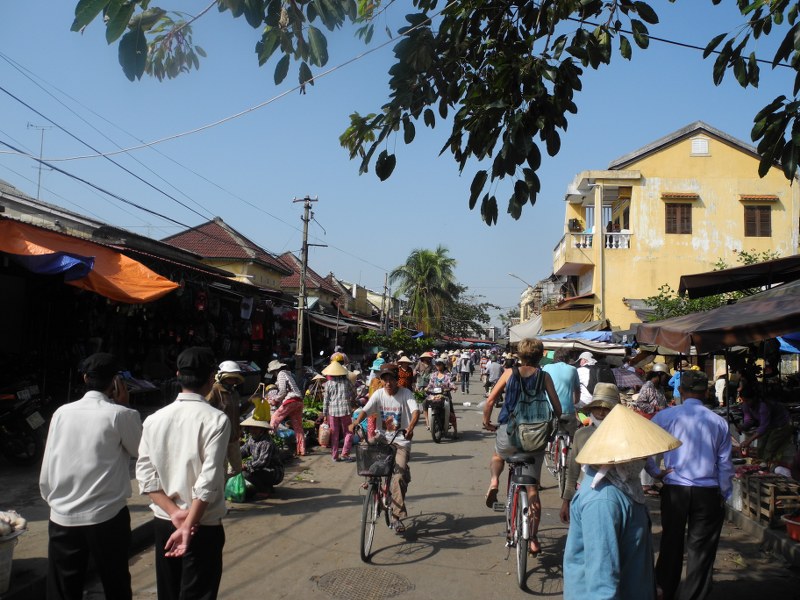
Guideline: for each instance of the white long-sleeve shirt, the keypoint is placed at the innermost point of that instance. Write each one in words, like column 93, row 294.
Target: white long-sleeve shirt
column 182, row 453
column 85, row 476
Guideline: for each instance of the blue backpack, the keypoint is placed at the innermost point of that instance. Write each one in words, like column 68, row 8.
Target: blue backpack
column 532, row 423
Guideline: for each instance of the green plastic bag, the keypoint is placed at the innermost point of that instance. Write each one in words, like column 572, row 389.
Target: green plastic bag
column 235, row 488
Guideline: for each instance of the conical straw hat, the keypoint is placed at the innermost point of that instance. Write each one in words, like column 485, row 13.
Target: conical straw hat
column 624, row 436
column 335, row 369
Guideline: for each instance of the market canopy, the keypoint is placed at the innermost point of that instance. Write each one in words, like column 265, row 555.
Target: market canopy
column 767, row 273
column 82, row 263
column 528, row 329
column 758, row 319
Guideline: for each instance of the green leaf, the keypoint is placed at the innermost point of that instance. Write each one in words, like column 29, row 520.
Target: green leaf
column 429, row 118
column 477, row 186
column 254, row 12
column 269, row 42
column 86, row 11
column 281, row 69
column 200, row 51
column 305, row 75
column 624, row 47
column 117, row 25
column 132, row 53
column 640, row 34
column 646, row 12
column 740, row 71
column 521, row 192
column 385, row 165
column 489, row 209
column 712, row 45
column 409, row 131
column 319, row 47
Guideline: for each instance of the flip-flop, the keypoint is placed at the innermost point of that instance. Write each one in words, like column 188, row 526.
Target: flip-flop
column 491, row 497
column 399, row 528
column 535, row 540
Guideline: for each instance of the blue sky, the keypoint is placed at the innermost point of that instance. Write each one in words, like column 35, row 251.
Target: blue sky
column 253, row 167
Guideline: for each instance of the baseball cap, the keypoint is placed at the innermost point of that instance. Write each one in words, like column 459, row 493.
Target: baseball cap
column 388, row 368
column 197, row 361
column 695, row 381
column 100, row 365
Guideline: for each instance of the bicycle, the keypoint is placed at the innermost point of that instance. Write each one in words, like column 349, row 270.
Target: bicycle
column 556, row 456
column 517, row 509
column 376, row 463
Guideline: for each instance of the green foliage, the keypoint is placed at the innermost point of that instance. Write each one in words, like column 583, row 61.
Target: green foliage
column 399, row 339
column 667, row 303
column 465, row 315
column 505, row 73
column 427, row 280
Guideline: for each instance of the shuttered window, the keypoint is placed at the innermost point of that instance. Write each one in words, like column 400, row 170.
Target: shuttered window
column 758, row 221
column 679, row 218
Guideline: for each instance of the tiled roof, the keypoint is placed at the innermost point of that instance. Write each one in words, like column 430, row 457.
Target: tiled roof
column 313, row 280
column 216, row 239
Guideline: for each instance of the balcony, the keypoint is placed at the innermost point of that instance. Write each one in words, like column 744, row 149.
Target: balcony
column 574, row 254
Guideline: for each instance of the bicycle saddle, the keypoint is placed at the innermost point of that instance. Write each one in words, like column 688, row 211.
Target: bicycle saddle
column 528, row 458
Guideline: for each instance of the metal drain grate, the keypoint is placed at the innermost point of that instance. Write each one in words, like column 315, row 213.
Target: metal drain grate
column 363, row 584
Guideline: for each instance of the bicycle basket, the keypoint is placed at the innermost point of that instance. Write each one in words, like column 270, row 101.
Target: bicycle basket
column 375, row 460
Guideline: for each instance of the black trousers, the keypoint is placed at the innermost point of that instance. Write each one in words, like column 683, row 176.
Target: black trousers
column 702, row 510
column 195, row 575
column 68, row 552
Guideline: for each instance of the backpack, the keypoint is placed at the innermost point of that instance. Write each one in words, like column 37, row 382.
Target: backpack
column 598, row 373
column 532, row 421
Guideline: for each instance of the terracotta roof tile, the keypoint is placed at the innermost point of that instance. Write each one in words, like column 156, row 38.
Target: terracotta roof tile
column 216, row 239
column 313, row 280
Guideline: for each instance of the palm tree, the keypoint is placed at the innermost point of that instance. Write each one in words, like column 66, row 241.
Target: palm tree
column 428, row 282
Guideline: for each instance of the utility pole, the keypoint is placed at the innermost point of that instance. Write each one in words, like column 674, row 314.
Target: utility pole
column 41, row 128
column 301, row 297
column 385, row 303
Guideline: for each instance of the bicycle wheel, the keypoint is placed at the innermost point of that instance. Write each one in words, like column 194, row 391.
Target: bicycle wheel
column 561, row 465
column 369, row 516
column 520, row 536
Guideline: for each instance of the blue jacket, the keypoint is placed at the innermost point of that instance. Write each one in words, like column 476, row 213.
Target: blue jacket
column 609, row 552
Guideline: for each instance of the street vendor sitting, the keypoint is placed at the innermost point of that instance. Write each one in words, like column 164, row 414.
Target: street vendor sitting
column 261, row 466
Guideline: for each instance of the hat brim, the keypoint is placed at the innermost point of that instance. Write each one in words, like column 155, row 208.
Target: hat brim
column 624, row 436
column 335, row 369
column 251, row 422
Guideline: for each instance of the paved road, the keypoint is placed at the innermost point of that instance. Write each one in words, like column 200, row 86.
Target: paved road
column 303, row 542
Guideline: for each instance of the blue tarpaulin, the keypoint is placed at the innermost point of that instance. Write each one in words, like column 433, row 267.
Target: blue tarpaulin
column 595, row 336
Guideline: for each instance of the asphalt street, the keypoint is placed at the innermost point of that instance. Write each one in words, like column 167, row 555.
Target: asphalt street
column 303, row 541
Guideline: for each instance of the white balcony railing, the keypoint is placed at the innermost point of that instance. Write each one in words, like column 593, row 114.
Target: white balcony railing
column 611, row 241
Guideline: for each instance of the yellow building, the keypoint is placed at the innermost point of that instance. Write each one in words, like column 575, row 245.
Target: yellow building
column 674, row 207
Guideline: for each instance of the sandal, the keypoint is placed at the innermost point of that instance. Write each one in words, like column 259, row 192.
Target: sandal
column 534, row 540
column 398, row 527
column 491, row 497
column 652, row 492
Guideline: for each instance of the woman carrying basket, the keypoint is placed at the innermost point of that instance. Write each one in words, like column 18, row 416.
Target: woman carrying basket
column 396, row 409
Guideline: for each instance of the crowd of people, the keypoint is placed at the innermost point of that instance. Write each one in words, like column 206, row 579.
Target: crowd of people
column 659, row 444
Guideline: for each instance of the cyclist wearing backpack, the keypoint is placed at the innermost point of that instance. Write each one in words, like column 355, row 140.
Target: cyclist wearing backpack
column 520, row 382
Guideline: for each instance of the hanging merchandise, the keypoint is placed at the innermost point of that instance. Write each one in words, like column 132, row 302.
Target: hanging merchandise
column 246, row 308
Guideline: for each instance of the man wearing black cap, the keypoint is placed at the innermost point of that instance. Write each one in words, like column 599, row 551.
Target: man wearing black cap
column 85, row 480
column 181, row 467
column 697, row 480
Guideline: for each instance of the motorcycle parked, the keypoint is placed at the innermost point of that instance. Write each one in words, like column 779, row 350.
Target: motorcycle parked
column 439, row 415
column 22, row 435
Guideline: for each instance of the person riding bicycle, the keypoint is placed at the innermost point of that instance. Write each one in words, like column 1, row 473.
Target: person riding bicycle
column 397, row 410
column 530, row 352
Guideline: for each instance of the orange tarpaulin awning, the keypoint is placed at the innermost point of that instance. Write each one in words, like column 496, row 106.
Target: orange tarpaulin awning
column 110, row 274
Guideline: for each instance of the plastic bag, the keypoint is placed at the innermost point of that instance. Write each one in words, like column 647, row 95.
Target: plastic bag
column 324, row 435
column 262, row 410
column 236, row 488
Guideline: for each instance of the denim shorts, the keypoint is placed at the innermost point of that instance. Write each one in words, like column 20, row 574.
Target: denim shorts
column 504, row 449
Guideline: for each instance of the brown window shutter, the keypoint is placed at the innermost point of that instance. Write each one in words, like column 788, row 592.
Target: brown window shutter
column 671, row 218
column 765, row 221
column 686, row 218
column 750, row 221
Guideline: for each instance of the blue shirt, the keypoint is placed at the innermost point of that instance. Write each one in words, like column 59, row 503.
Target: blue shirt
column 704, row 457
column 675, row 382
column 565, row 379
column 609, row 551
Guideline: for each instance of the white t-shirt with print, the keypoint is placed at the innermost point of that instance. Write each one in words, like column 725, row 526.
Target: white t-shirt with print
column 394, row 412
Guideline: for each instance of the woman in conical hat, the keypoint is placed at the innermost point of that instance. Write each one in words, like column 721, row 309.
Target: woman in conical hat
column 604, row 398
column 609, row 551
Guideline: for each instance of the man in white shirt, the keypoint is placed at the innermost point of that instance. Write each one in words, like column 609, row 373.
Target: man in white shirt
column 85, row 480
column 181, row 467
column 396, row 409
column 494, row 370
column 585, row 360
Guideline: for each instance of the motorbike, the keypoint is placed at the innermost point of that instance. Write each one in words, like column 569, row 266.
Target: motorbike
column 22, row 431
column 439, row 415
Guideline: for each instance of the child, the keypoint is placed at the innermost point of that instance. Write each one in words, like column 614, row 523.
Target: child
column 261, row 467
